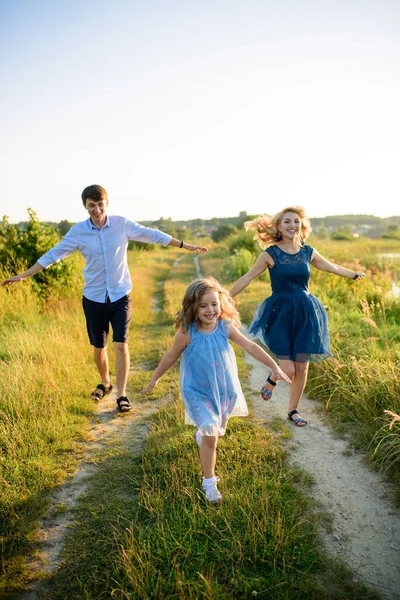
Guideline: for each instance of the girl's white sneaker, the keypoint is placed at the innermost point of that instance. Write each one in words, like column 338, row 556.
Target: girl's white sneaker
column 211, row 491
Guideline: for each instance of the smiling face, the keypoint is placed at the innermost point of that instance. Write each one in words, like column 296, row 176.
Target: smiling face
column 97, row 211
column 290, row 226
column 209, row 310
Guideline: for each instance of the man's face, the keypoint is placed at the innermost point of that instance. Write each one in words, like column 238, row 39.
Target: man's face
column 97, row 210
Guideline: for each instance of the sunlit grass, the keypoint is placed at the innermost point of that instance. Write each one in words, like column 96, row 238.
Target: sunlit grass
column 142, row 529
column 166, row 541
column 44, row 383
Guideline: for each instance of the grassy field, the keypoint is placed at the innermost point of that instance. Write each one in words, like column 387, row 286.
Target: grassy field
column 142, row 529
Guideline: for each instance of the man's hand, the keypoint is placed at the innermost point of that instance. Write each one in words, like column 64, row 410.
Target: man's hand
column 36, row 268
column 197, row 249
column 12, row 280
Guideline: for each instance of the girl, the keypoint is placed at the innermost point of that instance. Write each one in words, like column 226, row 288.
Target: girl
column 209, row 380
column 292, row 323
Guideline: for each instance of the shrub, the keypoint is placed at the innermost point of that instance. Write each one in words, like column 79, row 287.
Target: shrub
column 342, row 235
column 21, row 248
column 244, row 240
column 223, row 232
column 238, row 264
column 132, row 245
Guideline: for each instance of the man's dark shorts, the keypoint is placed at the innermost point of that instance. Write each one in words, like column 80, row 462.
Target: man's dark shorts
column 99, row 315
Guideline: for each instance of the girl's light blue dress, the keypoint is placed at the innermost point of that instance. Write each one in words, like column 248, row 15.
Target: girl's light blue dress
column 210, row 385
column 292, row 323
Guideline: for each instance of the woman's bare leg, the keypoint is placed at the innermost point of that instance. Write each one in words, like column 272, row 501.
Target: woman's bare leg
column 298, row 371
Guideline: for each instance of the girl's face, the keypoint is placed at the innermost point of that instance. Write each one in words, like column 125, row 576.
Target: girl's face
column 290, row 226
column 209, row 310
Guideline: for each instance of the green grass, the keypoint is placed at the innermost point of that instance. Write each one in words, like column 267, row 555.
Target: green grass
column 44, row 411
column 142, row 529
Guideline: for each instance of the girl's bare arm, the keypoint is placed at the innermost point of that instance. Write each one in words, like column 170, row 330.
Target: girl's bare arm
column 169, row 359
column 258, row 353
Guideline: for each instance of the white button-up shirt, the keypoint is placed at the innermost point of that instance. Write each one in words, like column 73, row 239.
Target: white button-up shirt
column 105, row 251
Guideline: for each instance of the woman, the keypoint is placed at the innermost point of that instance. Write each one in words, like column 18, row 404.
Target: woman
column 292, row 323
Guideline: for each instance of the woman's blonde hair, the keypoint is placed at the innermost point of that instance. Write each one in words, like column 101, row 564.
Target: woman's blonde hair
column 266, row 226
column 192, row 299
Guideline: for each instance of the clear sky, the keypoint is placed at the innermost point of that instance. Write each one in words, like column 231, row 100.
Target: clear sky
column 200, row 108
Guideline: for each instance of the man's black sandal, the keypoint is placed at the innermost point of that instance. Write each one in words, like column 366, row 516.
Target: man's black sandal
column 265, row 392
column 100, row 392
column 123, row 404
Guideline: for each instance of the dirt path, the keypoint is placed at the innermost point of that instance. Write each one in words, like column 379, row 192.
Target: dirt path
column 365, row 532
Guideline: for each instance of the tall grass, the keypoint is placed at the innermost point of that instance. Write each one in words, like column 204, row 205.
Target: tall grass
column 142, row 529
column 44, row 381
column 178, row 547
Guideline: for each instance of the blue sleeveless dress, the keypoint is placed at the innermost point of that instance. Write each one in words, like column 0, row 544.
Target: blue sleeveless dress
column 292, row 323
column 210, row 385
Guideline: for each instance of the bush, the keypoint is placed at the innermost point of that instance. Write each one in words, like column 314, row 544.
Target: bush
column 223, row 232
column 342, row 235
column 132, row 245
column 21, row 248
column 238, row 264
column 244, row 240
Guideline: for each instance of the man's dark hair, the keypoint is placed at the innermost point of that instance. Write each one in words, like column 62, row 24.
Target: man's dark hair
column 94, row 192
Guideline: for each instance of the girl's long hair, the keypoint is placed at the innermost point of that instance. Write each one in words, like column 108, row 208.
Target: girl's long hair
column 192, row 299
column 266, row 226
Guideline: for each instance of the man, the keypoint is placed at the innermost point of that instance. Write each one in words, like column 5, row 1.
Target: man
column 103, row 241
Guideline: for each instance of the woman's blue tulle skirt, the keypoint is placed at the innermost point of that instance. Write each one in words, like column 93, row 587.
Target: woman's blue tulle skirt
column 293, row 326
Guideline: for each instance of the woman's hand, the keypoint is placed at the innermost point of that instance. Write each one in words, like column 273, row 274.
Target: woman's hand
column 359, row 275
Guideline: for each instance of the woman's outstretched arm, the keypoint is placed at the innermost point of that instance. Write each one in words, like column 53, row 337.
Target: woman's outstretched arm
column 323, row 264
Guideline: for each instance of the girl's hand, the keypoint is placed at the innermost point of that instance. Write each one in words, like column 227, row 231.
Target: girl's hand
column 279, row 374
column 150, row 387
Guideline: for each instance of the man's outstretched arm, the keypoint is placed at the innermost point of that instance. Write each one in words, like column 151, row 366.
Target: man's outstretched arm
column 190, row 247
